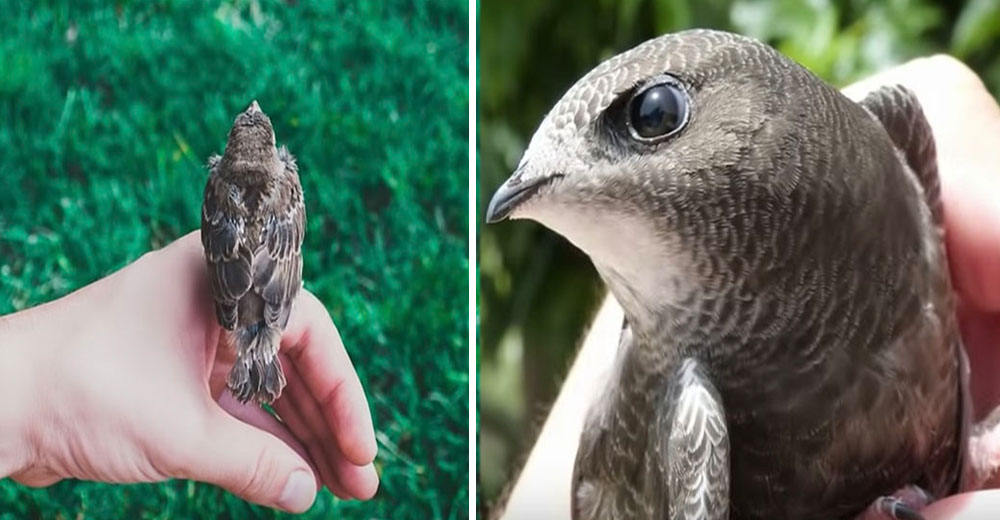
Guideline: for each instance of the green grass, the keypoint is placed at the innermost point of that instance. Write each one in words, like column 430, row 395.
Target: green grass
column 107, row 114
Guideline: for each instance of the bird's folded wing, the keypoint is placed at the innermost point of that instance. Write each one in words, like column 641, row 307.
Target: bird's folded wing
column 692, row 424
column 898, row 110
column 222, row 222
column 278, row 260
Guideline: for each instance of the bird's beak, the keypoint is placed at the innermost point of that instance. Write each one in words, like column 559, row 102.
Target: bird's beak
column 512, row 193
column 254, row 107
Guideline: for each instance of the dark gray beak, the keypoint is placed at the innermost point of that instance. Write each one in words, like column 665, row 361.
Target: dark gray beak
column 511, row 194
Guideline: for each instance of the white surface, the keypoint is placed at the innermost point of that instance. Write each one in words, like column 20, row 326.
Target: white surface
column 543, row 491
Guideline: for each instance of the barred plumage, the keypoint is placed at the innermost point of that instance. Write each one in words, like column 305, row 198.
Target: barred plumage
column 252, row 227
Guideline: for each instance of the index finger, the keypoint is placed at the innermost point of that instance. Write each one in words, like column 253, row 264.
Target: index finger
column 313, row 344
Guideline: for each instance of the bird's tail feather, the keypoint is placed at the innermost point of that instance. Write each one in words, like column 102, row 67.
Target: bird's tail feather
column 257, row 373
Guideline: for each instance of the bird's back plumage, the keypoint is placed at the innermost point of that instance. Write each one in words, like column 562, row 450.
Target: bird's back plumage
column 253, row 225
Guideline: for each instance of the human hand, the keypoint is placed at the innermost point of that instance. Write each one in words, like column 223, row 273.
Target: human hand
column 125, row 381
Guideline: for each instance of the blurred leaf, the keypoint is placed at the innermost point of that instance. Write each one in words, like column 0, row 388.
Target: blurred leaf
column 977, row 26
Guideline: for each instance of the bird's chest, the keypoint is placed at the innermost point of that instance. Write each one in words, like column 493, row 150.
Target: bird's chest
column 821, row 419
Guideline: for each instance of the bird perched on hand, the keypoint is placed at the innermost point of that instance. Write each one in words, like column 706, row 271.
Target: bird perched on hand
column 790, row 347
column 252, row 226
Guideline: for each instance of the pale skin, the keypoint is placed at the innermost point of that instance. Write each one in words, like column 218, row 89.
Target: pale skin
column 966, row 123
column 124, row 381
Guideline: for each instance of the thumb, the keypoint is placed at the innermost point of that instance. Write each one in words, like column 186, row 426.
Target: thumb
column 254, row 465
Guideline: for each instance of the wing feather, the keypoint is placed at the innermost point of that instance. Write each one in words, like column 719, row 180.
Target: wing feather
column 223, row 218
column 898, row 110
column 278, row 263
column 697, row 464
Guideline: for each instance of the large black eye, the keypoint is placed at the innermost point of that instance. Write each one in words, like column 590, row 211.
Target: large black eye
column 658, row 111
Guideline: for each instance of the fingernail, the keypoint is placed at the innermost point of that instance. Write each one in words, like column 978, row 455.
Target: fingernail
column 299, row 492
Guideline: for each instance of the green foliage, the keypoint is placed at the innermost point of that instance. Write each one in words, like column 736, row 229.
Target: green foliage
column 537, row 292
column 977, row 27
column 107, row 114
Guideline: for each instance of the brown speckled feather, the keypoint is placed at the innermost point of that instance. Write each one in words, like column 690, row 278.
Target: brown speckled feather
column 253, row 225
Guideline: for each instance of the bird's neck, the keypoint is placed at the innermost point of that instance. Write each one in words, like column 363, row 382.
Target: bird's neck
column 644, row 268
column 649, row 296
column 256, row 169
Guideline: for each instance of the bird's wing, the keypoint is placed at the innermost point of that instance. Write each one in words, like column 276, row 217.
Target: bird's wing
column 223, row 216
column 692, row 424
column 597, row 492
column 278, row 259
column 898, row 110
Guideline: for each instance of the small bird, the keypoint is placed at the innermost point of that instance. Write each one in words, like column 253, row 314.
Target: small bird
column 790, row 348
column 252, row 226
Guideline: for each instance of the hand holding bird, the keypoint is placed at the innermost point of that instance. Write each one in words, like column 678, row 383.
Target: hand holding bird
column 131, row 387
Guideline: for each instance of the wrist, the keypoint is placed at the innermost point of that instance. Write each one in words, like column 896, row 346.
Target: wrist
column 33, row 370
column 20, row 350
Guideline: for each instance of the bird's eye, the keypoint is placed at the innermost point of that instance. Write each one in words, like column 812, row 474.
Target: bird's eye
column 657, row 112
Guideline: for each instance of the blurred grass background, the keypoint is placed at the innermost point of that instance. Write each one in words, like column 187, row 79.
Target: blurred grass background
column 537, row 292
column 108, row 111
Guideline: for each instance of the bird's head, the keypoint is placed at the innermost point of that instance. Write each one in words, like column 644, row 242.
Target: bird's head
column 659, row 148
column 251, row 139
